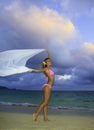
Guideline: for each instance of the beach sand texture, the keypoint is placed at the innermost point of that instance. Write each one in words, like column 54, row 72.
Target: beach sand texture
column 24, row 121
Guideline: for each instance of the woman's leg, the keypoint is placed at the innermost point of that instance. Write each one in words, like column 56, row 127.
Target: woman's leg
column 47, row 93
column 45, row 109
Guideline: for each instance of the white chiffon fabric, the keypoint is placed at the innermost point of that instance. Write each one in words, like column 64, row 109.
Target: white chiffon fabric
column 14, row 61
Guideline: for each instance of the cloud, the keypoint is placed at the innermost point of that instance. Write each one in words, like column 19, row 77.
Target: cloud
column 92, row 12
column 78, row 8
column 27, row 81
column 40, row 28
column 83, row 72
column 88, row 48
column 43, row 27
column 44, row 22
column 65, row 77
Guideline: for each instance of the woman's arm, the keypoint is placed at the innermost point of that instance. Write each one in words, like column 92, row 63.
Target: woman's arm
column 49, row 56
column 36, row 70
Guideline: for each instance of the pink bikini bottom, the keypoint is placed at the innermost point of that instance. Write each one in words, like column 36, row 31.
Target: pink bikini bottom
column 48, row 85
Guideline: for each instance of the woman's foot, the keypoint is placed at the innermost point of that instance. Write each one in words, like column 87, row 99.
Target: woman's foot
column 46, row 119
column 34, row 117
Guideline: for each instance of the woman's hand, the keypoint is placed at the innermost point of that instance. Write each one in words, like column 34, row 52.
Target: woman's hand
column 30, row 70
column 46, row 51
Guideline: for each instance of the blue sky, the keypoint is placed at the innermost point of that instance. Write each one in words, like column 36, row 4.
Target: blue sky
column 64, row 27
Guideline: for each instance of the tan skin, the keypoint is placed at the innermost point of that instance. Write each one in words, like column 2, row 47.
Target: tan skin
column 47, row 91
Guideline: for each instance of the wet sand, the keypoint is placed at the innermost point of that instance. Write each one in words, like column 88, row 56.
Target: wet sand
column 20, row 118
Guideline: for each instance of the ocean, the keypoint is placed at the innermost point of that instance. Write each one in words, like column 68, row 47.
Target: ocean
column 59, row 99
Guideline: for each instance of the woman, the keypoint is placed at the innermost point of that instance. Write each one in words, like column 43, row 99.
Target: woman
column 46, row 69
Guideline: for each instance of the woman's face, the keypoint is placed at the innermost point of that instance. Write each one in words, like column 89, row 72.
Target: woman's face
column 49, row 63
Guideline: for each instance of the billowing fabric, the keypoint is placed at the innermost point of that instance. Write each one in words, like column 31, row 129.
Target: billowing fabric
column 14, row 61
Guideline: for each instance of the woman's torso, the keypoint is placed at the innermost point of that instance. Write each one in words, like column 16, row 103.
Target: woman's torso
column 49, row 73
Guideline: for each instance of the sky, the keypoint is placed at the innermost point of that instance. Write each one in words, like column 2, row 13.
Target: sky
column 64, row 27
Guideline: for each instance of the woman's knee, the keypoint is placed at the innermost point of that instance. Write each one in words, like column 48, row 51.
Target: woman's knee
column 45, row 103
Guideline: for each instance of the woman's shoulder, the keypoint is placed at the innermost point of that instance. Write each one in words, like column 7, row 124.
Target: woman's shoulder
column 46, row 69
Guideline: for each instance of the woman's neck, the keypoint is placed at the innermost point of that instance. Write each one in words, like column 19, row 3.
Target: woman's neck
column 48, row 67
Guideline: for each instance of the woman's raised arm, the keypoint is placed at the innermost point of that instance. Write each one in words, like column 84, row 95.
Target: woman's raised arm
column 49, row 56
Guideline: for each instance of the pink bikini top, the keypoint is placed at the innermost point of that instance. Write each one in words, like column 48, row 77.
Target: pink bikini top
column 51, row 72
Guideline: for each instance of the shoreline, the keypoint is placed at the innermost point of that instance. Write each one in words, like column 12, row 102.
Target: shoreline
column 20, row 118
column 50, row 107
column 51, row 110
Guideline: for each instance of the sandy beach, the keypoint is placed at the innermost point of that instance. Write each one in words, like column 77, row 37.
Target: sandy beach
column 20, row 118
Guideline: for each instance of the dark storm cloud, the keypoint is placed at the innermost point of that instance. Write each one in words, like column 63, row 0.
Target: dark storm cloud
column 25, row 81
column 84, row 75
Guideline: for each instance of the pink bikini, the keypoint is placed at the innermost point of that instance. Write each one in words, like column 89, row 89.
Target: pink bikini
column 51, row 73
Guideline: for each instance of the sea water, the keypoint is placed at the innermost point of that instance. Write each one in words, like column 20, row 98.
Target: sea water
column 59, row 99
